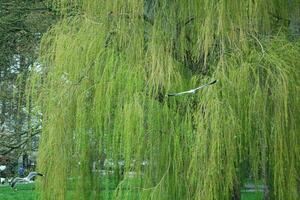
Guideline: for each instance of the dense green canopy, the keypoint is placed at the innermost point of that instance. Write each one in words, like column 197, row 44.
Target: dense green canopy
column 107, row 67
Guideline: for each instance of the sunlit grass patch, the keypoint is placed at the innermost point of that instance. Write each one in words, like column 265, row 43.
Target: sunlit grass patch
column 24, row 192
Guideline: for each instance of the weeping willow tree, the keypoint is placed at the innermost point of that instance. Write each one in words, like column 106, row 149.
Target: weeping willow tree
column 107, row 67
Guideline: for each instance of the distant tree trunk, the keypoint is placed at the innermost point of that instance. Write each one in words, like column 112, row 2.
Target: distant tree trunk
column 265, row 173
column 236, row 192
column 25, row 160
column 294, row 17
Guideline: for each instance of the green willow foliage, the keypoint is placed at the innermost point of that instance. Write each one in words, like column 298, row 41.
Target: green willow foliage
column 107, row 68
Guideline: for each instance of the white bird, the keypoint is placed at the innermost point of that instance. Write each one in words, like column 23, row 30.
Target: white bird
column 192, row 91
column 27, row 179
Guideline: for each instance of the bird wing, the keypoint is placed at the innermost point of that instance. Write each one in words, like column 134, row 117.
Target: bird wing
column 192, row 90
column 181, row 93
column 15, row 181
column 207, row 84
column 213, row 82
column 33, row 174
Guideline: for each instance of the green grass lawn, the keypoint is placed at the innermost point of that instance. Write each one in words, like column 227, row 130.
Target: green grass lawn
column 27, row 192
column 251, row 195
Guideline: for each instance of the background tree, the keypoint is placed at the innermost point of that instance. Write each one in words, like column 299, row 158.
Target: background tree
column 22, row 24
column 108, row 65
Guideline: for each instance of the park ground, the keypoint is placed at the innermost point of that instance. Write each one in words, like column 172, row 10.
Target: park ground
column 28, row 192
